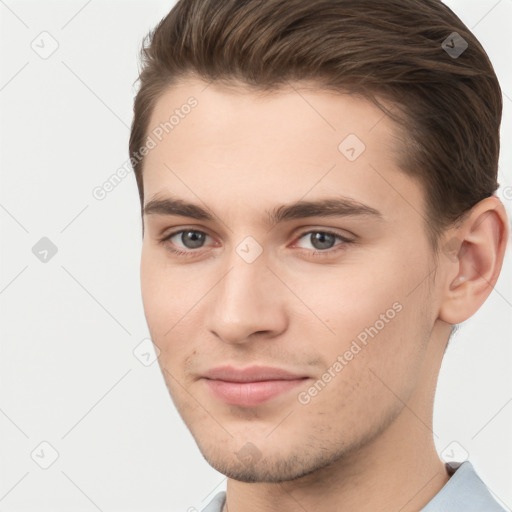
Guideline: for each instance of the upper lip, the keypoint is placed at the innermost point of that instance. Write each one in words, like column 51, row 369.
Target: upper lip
column 250, row 374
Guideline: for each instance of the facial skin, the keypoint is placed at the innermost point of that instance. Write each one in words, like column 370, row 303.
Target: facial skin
column 364, row 441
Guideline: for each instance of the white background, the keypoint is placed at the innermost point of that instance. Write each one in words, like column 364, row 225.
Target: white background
column 69, row 326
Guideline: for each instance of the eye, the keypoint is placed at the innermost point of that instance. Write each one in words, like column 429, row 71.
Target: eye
column 322, row 241
column 192, row 239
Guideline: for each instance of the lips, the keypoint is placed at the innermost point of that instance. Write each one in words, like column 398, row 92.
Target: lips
column 249, row 387
column 250, row 374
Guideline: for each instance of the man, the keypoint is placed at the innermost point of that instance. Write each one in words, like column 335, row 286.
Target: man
column 317, row 184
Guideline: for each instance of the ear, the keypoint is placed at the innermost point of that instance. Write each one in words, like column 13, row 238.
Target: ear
column 472, row 258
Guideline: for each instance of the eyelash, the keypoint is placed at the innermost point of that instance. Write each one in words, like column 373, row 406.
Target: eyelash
column 315, row 253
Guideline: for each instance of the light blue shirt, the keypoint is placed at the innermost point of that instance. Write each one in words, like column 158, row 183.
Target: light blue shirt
column 464, row 492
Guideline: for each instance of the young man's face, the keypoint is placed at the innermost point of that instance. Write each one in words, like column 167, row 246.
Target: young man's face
column 358, row 315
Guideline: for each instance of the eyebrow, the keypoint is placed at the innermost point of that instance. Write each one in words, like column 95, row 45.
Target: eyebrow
column 326, row 207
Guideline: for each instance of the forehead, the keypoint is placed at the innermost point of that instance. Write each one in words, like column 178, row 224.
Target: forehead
column 252, row 147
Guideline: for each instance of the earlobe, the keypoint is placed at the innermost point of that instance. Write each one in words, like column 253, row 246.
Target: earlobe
column 472, row 260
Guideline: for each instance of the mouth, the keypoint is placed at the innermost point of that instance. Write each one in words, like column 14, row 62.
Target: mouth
column 249, row 387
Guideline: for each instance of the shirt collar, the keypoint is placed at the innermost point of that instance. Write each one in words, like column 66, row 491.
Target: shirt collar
column 464, row 492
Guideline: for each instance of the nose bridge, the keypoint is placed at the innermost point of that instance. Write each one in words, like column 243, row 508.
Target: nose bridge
column 245, row 298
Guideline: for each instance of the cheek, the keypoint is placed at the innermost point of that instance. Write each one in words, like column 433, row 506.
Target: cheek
column 378, row 324
column 166, row 293
column 153, row 291
column 364, row 384
column 349, row 300
column 163, row 299
column 171, row 301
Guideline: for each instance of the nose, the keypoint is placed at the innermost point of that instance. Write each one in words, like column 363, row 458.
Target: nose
column 249, row 300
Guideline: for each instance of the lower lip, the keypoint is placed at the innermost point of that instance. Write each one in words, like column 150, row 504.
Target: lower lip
column 248, row 394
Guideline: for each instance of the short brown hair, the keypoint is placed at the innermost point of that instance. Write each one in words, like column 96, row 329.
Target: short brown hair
column 448, row 107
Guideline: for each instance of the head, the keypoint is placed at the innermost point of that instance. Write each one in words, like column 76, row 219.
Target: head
column 327, row 171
